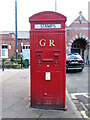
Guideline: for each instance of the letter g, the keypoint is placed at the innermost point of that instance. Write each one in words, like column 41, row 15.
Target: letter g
column 42, row 42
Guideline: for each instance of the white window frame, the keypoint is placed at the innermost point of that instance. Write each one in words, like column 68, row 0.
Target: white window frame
column 25, row 47
column 6, row 51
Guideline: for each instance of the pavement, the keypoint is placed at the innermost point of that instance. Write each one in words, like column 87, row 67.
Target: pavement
column 15, row 98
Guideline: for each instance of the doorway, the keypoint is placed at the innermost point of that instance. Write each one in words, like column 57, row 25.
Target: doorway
column 78, row 46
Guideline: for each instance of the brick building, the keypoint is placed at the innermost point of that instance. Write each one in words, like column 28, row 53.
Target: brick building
column 23, row 39
column 7, row 44
column 77, row 37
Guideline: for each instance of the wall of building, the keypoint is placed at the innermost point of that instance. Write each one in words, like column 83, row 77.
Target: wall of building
column 8, row 39
column 78, row 29
column 24, row 42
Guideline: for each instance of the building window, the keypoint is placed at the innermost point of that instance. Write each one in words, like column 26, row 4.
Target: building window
column 9, row 46
column 4, row 46
column 23, row 47
column 26, row 47
column 4, row 51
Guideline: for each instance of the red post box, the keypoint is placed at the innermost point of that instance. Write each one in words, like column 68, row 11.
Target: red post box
column 48, row 60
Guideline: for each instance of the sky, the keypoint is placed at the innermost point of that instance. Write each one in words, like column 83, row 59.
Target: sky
column 27, row 8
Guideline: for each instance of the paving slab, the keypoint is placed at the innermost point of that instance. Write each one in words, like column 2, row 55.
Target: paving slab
column 19, row 107
column 8, row 113
column 31, row 113
column 16, row 98
column 51, row 114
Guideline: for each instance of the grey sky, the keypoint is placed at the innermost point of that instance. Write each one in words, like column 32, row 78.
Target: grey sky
column 26, row 8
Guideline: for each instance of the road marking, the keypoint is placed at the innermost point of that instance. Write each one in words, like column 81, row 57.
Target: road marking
column 86, row 95
column 87, row 104
column 73, row 95
column 84, row 106
column 84, row 114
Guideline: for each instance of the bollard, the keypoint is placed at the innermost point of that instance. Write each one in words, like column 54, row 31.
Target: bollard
column 21, row 60
column 88, row 62
column 2, row 64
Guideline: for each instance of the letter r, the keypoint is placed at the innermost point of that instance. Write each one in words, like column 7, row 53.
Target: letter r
column 51, row 43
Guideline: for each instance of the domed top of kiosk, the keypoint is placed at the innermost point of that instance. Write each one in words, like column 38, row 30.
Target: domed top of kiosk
column 47, row 16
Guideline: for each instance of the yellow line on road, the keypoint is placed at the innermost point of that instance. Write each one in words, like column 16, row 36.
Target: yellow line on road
column 86, row 95
column 84, row 115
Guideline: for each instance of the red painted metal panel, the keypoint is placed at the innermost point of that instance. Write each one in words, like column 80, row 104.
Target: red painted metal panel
column 48, row 61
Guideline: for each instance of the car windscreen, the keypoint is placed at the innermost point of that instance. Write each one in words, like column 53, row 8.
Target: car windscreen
column 73, row 57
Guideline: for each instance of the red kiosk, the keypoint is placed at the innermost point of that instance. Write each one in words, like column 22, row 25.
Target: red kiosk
column 48, row 60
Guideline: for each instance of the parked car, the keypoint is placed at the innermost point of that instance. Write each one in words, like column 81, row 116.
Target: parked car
column 74, row 62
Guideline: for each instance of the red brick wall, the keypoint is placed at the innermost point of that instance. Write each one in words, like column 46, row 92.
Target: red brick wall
column 0, row 43
column 73, row 33
column 8, row 39
column 24, row 41
column 75, row 29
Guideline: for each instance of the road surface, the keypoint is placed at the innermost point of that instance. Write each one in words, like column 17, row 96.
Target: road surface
column 78, row 87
